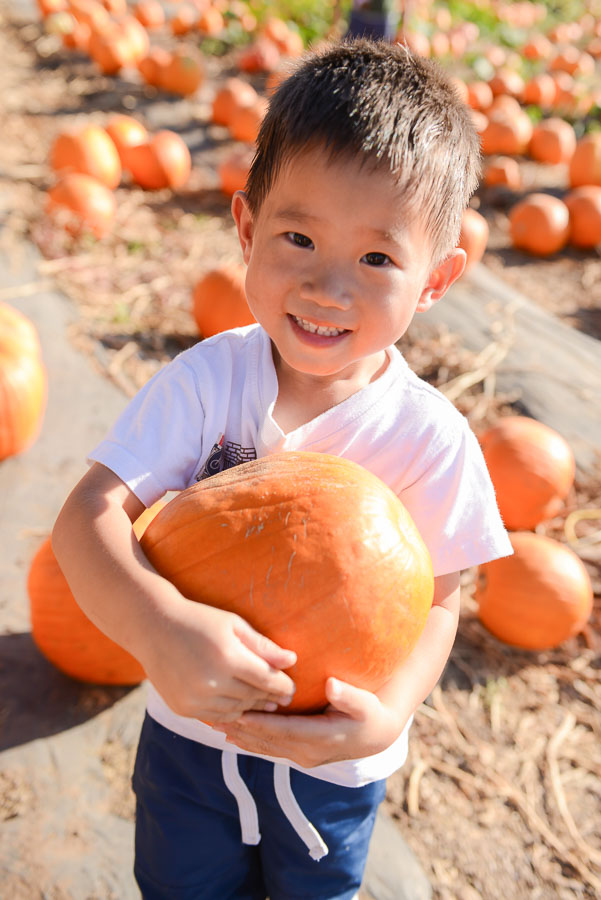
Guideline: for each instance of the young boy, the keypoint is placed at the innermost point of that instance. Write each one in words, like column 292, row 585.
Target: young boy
column 365, row 162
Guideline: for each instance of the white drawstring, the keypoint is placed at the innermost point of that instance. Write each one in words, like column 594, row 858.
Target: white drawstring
column 305, row 830
column 247, row 809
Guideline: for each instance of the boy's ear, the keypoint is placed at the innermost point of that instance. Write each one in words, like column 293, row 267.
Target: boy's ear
column 441, row 278
column 244, row 223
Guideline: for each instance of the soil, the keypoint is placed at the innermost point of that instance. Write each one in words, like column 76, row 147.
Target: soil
column 501, row 795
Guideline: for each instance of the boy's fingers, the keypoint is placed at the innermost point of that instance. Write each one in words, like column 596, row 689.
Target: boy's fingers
column 348, row 699
column 276, row 656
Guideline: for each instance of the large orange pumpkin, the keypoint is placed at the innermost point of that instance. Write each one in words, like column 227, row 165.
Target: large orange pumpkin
column 125, row 132
column 539, row 224
column 537, row 598
column 90, row 151
column 272, row 541
column 81, row 203
column 585, row 164
column 553, row 141
column 531, row 467
column 63, row 632
column 473, row 237
column 584, row 206
column 164, row 161
column 219, row 300
column 23, row 382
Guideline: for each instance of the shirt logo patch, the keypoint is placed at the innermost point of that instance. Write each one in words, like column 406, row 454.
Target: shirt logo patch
column 225, row 455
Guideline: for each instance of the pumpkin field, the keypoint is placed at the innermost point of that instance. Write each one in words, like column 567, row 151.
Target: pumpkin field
column 126, row 127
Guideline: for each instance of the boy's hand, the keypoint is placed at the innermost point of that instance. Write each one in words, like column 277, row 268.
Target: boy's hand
column 355, row 724
column 211, row 665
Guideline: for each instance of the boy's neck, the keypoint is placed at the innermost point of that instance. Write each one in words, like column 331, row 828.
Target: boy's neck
column 301, row 398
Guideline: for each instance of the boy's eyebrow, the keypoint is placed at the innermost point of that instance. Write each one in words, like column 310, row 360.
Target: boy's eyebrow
column 299, row 215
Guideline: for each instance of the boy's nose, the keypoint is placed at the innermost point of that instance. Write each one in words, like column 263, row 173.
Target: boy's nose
column 328, row 288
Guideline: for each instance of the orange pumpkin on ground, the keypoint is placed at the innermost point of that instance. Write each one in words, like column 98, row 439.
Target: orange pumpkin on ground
column 585, row 164
column 473, row 237
column 23, row 382
column 125, row 132
column 506, row 81
column 232, row 95
column 80, row 203
column 479, row 95
column 506, row 134
column 184, row 73
column 260, row 56
column 164, row 161
column 90, row 151
column 245, row 121
column 233, row 170
column 271, row 540
column 531, row 467
column 553, row 141
column 584, row 206
column 210, row 21
column 537, row 598
column 540, row 90
column 503, row 171
column 539, row 224
column 152, row 66
column 149, row 13
column 219, row 300
column 63, row 632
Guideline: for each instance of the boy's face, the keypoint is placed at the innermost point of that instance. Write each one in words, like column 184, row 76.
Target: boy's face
column 335, row 272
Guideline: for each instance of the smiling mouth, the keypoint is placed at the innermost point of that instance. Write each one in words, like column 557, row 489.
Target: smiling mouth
column 325, row 330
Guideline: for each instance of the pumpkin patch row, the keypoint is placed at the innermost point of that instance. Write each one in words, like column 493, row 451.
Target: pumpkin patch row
column 90, row 163
column 542, row 595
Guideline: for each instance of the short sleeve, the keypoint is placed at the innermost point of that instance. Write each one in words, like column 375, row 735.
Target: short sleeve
column 156, row 442
column 454, row 507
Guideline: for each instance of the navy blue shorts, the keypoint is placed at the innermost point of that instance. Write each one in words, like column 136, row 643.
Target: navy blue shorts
column 188, row 831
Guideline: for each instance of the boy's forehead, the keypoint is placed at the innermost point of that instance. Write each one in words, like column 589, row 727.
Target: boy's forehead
column 364, row 186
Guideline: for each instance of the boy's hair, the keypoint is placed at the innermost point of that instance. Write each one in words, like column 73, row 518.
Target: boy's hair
column 385, row 106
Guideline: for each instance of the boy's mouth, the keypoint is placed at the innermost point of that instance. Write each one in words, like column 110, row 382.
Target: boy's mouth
column 325, row 330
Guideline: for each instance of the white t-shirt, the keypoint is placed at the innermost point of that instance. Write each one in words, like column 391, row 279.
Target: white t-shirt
column 211, row 408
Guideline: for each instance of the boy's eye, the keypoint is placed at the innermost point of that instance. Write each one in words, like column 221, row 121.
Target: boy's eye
column 301, row 240
column 376, row 259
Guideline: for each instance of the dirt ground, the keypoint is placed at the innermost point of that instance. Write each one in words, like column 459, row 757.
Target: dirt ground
column 501, row 796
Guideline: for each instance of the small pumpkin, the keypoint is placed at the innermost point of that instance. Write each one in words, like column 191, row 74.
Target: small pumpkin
column 506, row 134
column 585, row 164
column 531, row 467
column 503, row 171
column 62, row 631
column 233, row 94
column 473, row 237
column 88, row 150
column 152, row 66
column 23, row 382
column 537, row 598
column 233, row 170
column 540, row 90
column 539, row 224
column 184, row 73
column 262, row 55
column 219, row 300
column 125, row 132
column 163, row 161
column 80, row 203
column 584, row 206
column 210, row 21
column 149, row 13
column 479, row 95
column 271, row 540
column 553, row 141
column 245, row 121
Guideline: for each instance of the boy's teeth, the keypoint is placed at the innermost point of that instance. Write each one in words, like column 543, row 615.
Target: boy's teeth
column 318, row 329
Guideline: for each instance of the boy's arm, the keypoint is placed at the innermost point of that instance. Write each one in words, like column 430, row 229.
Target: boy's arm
column 205, row 662
column 358, row 723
